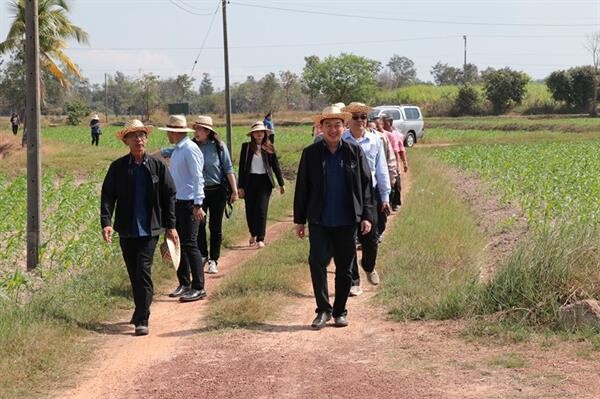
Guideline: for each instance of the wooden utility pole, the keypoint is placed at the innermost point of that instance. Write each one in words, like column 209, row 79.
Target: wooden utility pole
column 106, row 98
column 227, row 97
column 32, row 130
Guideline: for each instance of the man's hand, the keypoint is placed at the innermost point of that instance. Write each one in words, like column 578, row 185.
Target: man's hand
column 385, row 208
column 300, row 230
column 172, row 234
column 281, row 189
column 241, row 192
column 233, row 197
column 199, row 214
column 405, row 167
column 365, row 227
column 107, row 234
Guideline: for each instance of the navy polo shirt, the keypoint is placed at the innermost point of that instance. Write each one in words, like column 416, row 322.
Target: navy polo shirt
column 338, row 209
column 141, row 185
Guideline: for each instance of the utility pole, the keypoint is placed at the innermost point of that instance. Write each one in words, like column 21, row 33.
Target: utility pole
column 227, row 97
column 106, row 97
column 465, row 59
column 32, row 131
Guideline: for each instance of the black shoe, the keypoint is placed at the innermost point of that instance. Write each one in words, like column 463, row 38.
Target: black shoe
column 193, row 295
column 179, row 291
column 141, row 330
column 340, row 321
column 320, row 320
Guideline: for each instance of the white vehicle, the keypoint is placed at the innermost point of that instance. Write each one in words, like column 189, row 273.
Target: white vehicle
column 408, row 120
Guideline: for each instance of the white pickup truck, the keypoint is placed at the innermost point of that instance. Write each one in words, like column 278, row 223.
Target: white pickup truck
column 408, row 120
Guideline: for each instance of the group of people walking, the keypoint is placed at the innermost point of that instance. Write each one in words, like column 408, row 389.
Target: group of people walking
column 147, row 199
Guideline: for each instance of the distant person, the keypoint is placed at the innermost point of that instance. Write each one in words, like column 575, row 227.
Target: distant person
column 139, row 190
column 334, row 194
column 390, row 148
column 186, row 168
column 219, row 184
column 269, row 124
column 14, row 122
column 258, row 162
column 402, row 159
column 95, row 129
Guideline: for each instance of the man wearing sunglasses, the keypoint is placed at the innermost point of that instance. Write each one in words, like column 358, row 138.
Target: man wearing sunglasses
column 373, row 149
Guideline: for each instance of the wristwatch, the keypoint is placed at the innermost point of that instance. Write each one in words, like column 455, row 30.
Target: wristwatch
column 197, row 206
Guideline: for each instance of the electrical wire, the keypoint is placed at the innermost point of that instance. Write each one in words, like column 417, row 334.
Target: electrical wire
column 205, row 37
column 186, row 10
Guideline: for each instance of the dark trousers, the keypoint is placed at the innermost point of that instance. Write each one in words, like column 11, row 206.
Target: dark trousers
column 15, row 129
column 138, row 253
column 369, row 243
column 325, row 243
column 214, row 206
column 272, row 138
column 395, row 199
column 191, row 258
column 95, row 139
column 257, row 194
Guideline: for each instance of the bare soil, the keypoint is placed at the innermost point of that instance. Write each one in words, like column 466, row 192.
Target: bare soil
column 283, row 358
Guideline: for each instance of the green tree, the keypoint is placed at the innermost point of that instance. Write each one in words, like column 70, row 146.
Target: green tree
column 345, row 78
column 206, row 85
column 560, row 85
column 148, row 94
column 269, row 91
column 443, row 74
column 403, row 70
column 291, row 89
column 55, row 30
column 12, row 83
column 184, row 84
column 76, row 110
column 311, row 81
column 504, row 88
column 467, row 101
column 470, row 74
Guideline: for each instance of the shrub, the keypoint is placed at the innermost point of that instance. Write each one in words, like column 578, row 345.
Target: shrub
column 76, row 110
column 467, row 101
column 504, row 88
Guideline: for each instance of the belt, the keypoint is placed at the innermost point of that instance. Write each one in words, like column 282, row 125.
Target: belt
column 184, row 201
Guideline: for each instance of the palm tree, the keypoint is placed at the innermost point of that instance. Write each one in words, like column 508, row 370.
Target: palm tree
column 55, row 29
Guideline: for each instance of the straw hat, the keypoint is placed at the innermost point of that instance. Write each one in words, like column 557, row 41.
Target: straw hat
column 204, row 121
column 170, row 252
column 257, row 127
column 95, row 117
column 332, row 112
column 357, row 108
column 134, row 125
column 176, row 123
column 339, row 105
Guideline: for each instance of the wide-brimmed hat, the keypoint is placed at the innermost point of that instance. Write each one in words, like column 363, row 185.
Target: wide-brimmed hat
column 257, row 127
column 332, row 112
column 134, row 125
column 95, row 117
column 357, row 108
column 170, row 252
column 204, row 121
column 176, row 123
column 387, row 117
column 339, row 105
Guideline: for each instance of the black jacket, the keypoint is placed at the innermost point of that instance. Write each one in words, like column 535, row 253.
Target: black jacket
column 310, row 183
column 117, row 189
column 269, row 160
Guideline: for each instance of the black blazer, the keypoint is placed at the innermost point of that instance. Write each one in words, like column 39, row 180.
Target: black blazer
column 118, row 189
column 310, row 183
column 269, row 160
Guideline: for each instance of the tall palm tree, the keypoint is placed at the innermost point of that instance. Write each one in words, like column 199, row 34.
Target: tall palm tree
column 55, row 29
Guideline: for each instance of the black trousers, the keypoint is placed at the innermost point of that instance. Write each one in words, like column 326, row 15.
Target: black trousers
column 325, row 243
column 191, row 258
column 257, row 194
column 15, row 129
column 138, row 253
column 369, row 243
column 214, row 206
column 395, row 199
column 95, row 139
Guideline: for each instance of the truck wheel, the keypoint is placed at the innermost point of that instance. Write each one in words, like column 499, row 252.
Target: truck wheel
column 409, row 141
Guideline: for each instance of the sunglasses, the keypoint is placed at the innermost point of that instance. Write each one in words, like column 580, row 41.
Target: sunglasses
column 357, row 117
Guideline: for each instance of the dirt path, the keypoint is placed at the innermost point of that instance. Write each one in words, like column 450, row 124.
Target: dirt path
column 372, row 358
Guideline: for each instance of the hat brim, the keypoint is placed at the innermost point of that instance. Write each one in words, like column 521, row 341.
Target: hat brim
column 120, row 135
column 209, row 127
column 171, row 252
column 176, row 129
column 345, row 116
column 357, row 109
column 267, row 131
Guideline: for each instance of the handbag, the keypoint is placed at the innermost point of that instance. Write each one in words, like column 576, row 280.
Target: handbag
column 225, row 183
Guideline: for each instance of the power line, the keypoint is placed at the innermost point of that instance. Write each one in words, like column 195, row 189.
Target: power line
column 206, row 37
column 186, row 10
column 425, row 21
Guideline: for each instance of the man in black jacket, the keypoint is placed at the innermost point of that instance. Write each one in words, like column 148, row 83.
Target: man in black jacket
column 334, row 193
column 144, row 194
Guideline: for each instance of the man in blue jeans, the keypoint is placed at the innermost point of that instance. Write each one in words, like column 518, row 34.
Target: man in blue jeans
column 333, row 192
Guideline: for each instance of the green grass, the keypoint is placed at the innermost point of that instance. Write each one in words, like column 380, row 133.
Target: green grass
column 561, row 124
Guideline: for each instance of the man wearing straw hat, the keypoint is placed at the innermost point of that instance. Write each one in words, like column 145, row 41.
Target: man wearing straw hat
column 333, row 192
column 373, row 150
column 95, row 129
column 139, row 189
column 186, row 167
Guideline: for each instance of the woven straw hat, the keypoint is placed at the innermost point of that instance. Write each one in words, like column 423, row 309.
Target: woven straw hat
column 95, row 117
column 257, row 127
column 332, row 112
column 134, row 125
column 339, row 105
column 170, row 252
column 204, row 121
column 176, row 123
column 357, row 108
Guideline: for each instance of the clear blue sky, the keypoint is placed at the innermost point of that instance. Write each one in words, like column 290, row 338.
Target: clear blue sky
column 165, row 36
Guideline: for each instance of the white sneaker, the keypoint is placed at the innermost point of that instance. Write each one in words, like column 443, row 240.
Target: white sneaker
column 355, row 290
column 373, row 277
column 212, row 267
column 260, row 244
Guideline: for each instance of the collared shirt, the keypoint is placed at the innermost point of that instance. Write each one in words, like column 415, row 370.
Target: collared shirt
column 373, row 150
column 400, row 138
column 142, row 193
column 338, row 209
column 215, row 171
column 186, row 167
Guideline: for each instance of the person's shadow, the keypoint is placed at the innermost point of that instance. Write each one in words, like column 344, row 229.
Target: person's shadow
column 118, row 328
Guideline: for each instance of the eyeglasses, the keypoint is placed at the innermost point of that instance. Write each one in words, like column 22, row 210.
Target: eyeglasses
column 137, row 135
column 357, row 117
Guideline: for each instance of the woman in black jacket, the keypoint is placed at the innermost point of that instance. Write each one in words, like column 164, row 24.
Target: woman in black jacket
column 258, row 162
